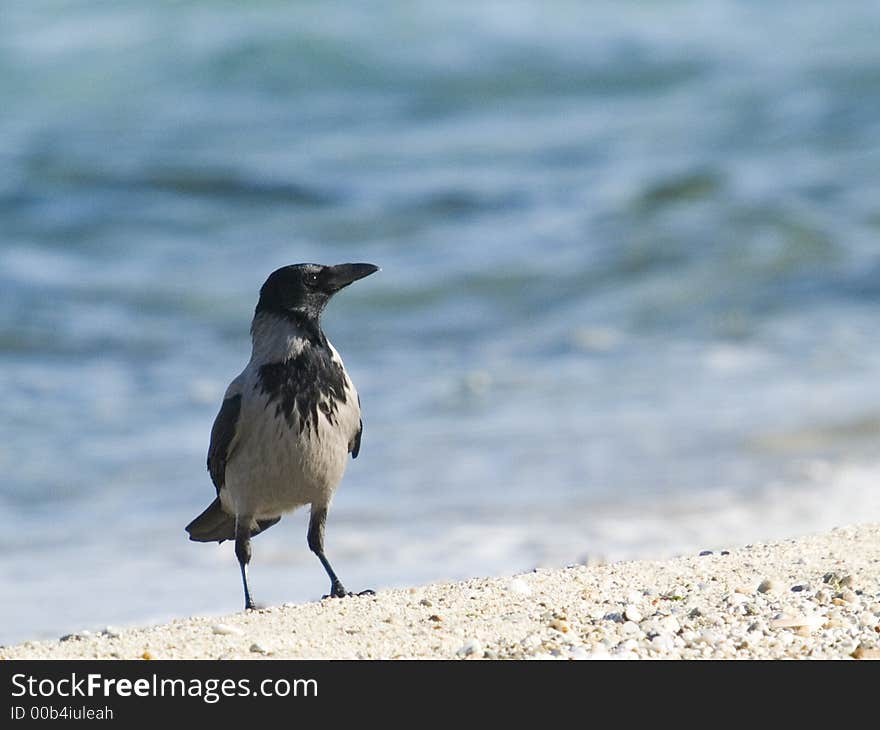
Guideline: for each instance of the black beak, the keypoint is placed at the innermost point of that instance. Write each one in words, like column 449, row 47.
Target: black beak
column 334, row 278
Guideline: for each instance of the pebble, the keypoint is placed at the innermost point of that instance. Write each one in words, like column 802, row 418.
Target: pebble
column 834, row 623
column 663, row 642
column 111, row 632
column 670, row 624
column 520, row 587
column 257, row 649
column 631, row 613
column 471, row 648
column 704, row 553
column 865, row 652
column 784, row 621
column 838, row 580
column 768, row 586
column 630, row 628
column 634, row 596
column 226, row 630
column 598, row 654
column 848, row 596
column 425, row 602
column 651, row 627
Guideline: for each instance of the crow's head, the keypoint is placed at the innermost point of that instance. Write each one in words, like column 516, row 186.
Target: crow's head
column 304, row 289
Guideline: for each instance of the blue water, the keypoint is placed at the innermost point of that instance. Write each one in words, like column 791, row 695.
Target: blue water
column 629, row 303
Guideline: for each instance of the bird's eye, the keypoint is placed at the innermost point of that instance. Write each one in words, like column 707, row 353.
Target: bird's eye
column 311, row 279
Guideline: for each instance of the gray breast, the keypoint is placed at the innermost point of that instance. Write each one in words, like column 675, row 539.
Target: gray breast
column 298, row 417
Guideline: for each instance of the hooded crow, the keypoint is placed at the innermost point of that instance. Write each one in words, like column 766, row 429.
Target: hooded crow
column 288, row 422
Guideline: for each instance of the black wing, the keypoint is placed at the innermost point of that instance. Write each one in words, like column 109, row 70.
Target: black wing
column 355, row 446
column 222, row 434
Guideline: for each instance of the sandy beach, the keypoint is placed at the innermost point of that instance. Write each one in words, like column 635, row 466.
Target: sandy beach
column 812, row 597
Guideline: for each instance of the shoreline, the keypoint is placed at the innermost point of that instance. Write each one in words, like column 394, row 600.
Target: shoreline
column 811, row 597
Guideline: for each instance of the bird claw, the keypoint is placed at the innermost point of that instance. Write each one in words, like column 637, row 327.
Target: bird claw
column 338, row 591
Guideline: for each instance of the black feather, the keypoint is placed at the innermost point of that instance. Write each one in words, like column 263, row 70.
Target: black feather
column 215, row 524
column 222, row 434
column 355, row 446
column 307, row 384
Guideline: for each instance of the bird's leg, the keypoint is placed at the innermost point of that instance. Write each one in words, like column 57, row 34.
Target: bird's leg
column 316, row 545
column 243, row 553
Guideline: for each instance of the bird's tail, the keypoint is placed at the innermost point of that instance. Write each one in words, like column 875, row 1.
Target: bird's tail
column 215, row 524
column 212, row 524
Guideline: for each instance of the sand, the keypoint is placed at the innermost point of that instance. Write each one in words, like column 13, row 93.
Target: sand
column 811, row 597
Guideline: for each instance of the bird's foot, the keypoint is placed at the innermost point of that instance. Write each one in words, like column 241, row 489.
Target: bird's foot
column 251, row 606
column 337, row 590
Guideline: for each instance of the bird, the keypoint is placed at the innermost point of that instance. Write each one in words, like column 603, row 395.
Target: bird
column 287, row 423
